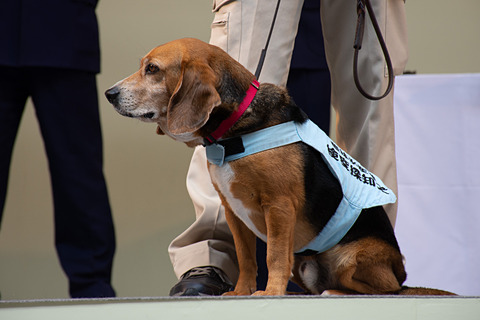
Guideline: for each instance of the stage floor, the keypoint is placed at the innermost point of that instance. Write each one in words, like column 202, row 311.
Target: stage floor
column 248, row 308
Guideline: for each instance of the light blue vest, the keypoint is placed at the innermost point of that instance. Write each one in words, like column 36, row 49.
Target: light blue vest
column 361, row 188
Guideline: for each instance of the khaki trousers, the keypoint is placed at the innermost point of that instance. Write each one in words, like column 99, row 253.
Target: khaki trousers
column 364, row 128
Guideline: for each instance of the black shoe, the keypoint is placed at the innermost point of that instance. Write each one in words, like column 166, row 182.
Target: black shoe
column 202, row 281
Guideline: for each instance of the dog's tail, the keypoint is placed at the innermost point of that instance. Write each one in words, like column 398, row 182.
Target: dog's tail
column 420, row 291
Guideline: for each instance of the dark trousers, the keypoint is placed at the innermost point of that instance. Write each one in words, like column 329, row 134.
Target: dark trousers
column 66, row 106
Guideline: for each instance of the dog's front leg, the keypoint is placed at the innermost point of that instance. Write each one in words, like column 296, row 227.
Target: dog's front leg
column 245, row 245
column 280, row 220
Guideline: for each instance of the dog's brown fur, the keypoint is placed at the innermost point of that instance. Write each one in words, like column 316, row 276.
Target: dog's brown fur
column 188, row 87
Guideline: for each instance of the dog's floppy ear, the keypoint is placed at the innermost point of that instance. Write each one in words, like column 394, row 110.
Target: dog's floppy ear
column 193, row 99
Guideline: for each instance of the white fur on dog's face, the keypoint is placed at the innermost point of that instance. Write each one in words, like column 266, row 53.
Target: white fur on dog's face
column 176, row 92
column 140, row 101
column 144, row 94
column 144, row 98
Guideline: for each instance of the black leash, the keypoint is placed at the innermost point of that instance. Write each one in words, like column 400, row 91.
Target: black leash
column 361, row 4
column 362, row 7
column 264, row 50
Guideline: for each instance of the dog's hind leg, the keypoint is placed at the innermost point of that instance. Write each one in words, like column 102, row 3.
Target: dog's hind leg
column 373, row 267
column 370, row 279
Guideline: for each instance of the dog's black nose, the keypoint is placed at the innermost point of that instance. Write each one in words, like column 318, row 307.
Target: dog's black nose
column 112, row 94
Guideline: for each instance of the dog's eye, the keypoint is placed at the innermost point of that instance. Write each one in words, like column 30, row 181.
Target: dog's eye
column 151, row 68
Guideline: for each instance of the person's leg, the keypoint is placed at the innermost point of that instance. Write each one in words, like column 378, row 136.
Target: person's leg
column 309, row 79
column 241, row 29
column 209, row 236
column 66, row 105
column 365, row 128
column 13, row 96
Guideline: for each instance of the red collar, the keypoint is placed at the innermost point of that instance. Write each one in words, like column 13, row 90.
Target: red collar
column 230, row 121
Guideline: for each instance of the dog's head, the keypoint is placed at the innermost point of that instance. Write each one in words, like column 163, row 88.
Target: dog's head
column 176, row 87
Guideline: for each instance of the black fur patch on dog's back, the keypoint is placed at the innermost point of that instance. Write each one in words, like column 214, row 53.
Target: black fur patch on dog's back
column 372, row 222
column 323, row 192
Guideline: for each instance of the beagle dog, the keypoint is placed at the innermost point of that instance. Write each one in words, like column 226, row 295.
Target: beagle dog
column 278, row 176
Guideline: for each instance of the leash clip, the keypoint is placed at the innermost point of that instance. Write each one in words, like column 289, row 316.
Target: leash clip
column 215, row 154
column 360, row 25
column 208, row 140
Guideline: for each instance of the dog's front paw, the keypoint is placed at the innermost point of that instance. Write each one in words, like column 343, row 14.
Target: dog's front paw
column 269, row 293
column 243, row 288
column 237, row 293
